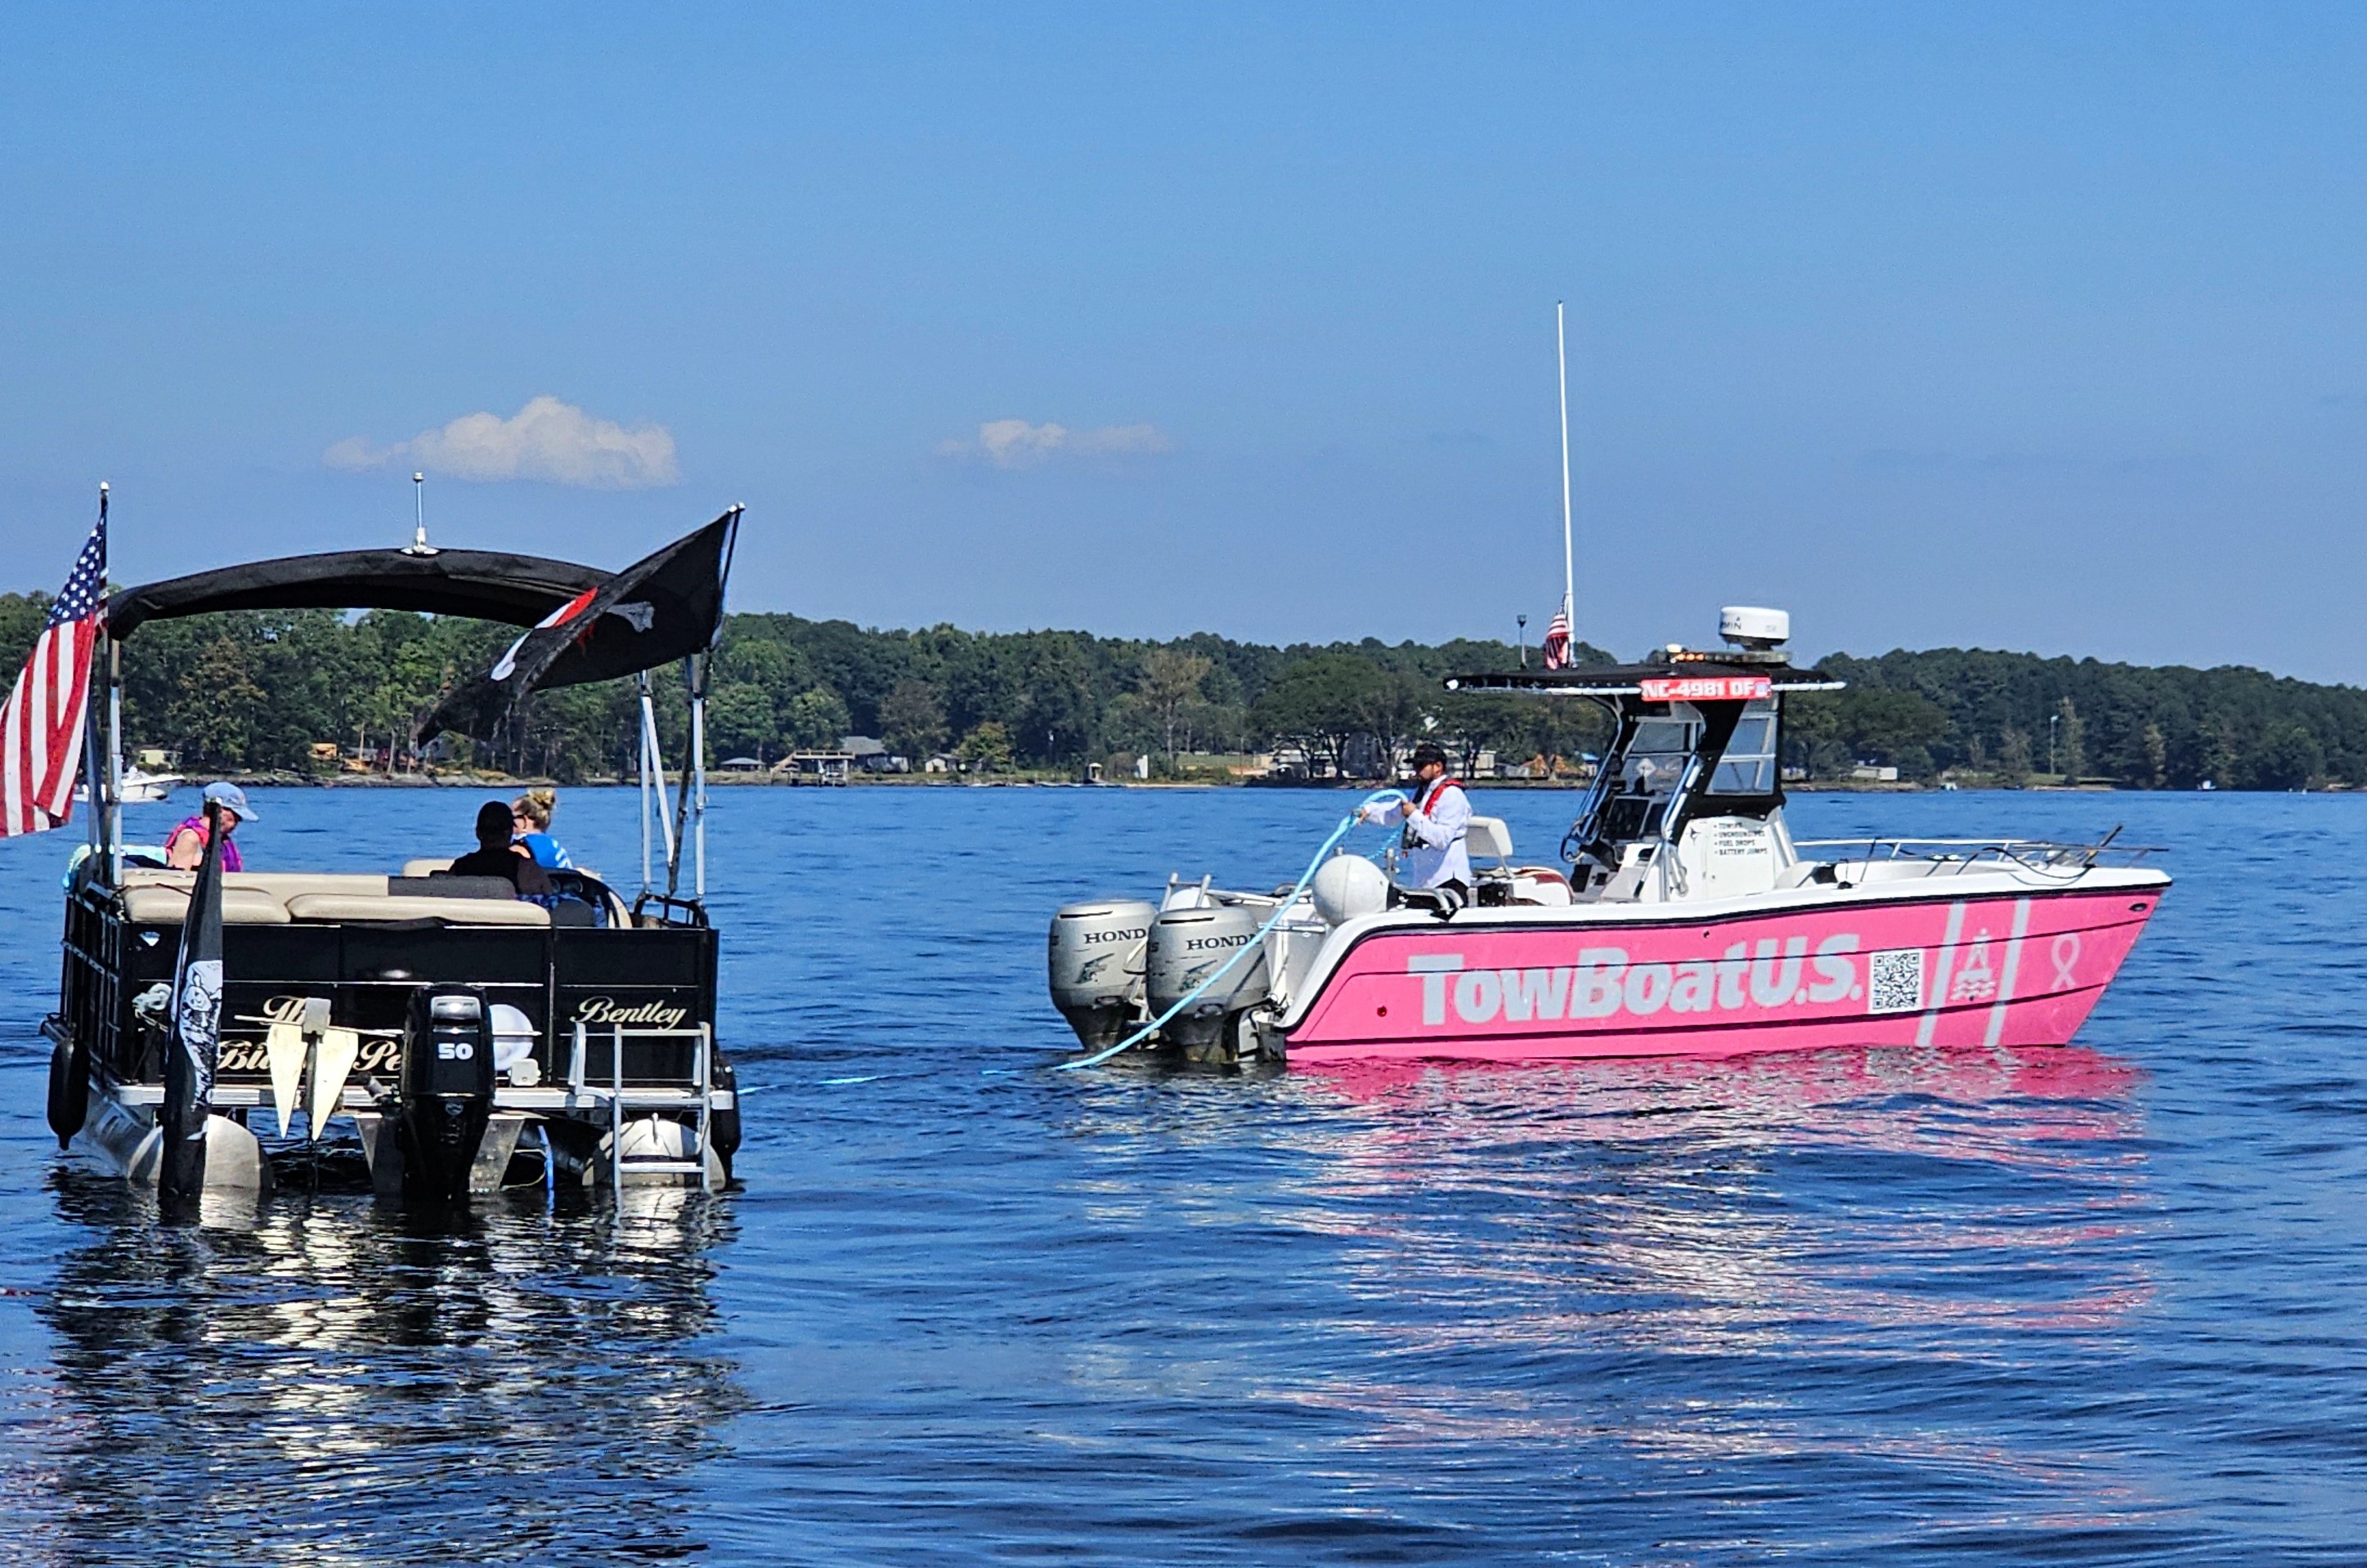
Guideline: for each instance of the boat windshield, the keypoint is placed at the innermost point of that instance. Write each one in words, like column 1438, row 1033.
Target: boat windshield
column 1747, row 764
column 1656, row 755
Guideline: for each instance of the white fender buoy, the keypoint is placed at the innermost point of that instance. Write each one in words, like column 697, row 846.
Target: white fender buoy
column 1348, row 885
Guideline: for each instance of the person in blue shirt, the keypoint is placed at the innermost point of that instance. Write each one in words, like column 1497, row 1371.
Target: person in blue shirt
column 530, row 829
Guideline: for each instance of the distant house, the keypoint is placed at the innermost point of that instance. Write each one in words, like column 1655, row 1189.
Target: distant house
column 871, row 756
column 1870, row 773
column 816, row 767
column 941, row 763
column 741, row 765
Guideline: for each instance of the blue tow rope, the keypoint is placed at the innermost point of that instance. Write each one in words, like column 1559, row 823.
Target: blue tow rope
column 1255, row 943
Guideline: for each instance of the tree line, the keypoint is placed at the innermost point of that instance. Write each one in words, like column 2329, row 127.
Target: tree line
column 259, row 691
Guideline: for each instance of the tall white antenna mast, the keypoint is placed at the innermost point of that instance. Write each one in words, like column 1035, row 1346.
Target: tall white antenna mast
column 1569, row 559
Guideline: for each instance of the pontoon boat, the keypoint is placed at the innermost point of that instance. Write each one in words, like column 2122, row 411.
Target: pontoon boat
column 448, row 1018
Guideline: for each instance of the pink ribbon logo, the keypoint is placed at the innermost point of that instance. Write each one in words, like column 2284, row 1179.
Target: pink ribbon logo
column 2066, row 953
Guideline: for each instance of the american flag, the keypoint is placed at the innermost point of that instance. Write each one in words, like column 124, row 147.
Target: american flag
column 41, row 730
column 1556, row 646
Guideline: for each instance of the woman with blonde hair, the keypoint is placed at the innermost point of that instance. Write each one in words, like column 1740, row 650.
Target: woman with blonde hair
column 530, row 825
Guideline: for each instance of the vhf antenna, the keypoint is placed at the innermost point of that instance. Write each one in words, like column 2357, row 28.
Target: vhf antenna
column 419, row 545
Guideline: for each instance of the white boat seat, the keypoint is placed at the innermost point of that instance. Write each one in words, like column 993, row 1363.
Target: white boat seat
column 170, row 906
column 427, row 867
column 1540, row 884
column 341, row 907
column 1488, row 838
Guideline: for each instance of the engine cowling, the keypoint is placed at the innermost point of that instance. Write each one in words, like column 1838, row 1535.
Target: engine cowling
column 1095, row 957
column 1186, row 947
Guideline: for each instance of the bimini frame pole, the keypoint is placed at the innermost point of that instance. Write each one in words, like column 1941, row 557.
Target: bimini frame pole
column 93, row 779
column 695, row 668
column 114, row 764
column 653, row 788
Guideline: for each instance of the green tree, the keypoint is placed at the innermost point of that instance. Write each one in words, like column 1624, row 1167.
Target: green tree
column 986, row 749
column 1169, row 681
column 741, row 721
column 1896, row 727
column 816, row 719
column 912, row 720
column 2070, row 742
column 2287, row 757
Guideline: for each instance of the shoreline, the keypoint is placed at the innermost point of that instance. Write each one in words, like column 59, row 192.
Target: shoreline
column 716, row 781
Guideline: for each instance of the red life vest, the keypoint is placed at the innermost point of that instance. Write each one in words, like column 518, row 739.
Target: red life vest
column 1408, row 840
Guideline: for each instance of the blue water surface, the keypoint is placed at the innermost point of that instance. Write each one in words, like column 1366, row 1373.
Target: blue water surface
column 2105, row 1303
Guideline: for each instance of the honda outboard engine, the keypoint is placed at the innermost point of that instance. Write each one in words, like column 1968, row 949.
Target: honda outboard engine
column 1186, row 947
column 1095, row 954
column 447, row 1091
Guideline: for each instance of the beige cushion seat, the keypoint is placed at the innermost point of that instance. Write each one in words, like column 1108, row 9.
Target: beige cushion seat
column 273, row 884
column 170, row 906
column 153, row 896
column 340, row 906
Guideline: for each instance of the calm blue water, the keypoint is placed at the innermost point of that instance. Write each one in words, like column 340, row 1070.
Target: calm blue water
column 2106, row 1304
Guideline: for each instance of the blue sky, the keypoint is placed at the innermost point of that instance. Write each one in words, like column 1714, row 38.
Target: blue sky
column 2033, row 327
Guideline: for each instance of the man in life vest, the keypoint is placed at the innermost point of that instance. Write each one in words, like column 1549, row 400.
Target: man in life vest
column 1431, row 853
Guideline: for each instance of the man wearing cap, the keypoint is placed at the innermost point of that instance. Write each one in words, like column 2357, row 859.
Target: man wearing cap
column 1436, row 822
column 186, row 849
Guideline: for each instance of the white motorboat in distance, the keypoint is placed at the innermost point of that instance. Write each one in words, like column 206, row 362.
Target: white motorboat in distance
column 139, row 788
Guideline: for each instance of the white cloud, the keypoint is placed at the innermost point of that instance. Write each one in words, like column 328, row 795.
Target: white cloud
column 547, row 440
column 1015, row 443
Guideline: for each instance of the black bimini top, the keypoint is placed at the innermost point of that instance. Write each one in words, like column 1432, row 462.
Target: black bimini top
column 588, row 625
column 485, row 585
column 1685, row 678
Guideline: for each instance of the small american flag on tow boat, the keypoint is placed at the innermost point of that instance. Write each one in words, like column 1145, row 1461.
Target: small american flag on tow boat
column 1556, row 646
column 41, row 728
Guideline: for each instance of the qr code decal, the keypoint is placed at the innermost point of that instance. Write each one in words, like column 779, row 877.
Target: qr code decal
column 1894, row 981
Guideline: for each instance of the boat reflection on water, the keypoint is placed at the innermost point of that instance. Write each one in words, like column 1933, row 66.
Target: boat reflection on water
column 328, row 1381
column 1668, row 1260
column 2004, row 1104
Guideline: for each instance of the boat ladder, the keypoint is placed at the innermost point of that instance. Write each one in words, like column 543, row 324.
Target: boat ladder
column 622, row 1099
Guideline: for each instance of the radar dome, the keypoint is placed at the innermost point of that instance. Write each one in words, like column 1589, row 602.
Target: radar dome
column 1348, row 887
column 1746, row 626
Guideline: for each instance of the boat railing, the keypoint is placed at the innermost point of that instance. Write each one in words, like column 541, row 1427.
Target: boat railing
column 1957, row 856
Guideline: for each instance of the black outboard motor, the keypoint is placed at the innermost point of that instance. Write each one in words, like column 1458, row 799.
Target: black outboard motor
column 447, row 1090
column 723, row 1131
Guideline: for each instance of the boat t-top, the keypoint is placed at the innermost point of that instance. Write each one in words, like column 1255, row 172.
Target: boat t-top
column 1683, row 918
column 444, row 1016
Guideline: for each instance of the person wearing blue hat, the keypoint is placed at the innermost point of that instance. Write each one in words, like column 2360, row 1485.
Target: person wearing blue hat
column 186, row 849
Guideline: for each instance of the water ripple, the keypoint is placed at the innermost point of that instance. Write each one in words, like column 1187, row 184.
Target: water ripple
column 2099, row 1304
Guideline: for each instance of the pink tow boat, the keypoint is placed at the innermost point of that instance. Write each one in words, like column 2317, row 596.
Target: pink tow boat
column 1690, row 921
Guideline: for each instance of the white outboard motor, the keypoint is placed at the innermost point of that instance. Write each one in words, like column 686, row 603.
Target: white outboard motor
column 1186, row 947
column 1095, row 956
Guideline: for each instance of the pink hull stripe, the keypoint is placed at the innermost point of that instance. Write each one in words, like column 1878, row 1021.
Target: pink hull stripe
column 1945, row 974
